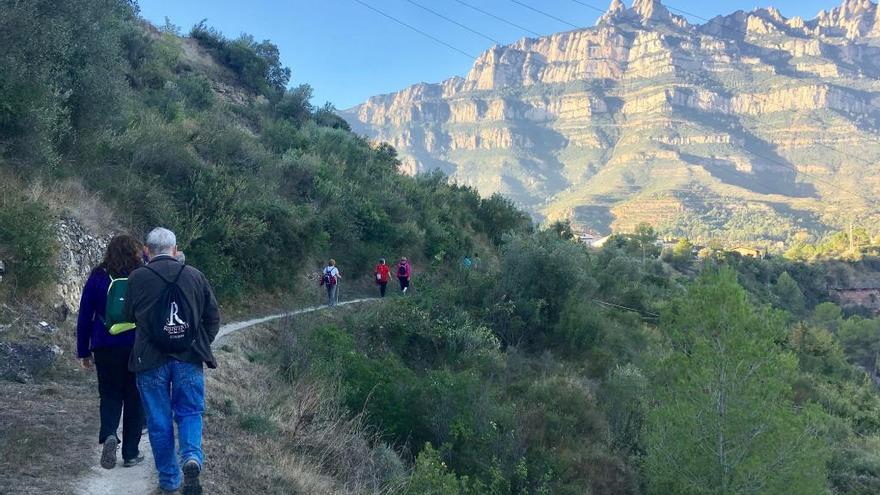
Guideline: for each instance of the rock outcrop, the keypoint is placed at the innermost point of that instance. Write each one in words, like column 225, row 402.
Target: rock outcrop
column 747, row 108
column 79, row 251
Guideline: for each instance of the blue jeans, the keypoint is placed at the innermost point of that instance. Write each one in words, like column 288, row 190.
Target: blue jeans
column 332, row 293
column 174, row 390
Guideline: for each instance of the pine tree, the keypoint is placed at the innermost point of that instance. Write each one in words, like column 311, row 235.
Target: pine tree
column 723, row 420
column 789, row 294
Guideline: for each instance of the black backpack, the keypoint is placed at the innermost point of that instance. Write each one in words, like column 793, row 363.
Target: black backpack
column 171, row 324
column 401, row 270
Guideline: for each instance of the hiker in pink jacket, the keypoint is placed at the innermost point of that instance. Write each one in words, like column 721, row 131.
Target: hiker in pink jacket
column 404, row 273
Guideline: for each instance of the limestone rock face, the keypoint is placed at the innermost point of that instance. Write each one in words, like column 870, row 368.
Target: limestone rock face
column 80, row 251
column 649, row 10
column 750, row 119
column 852, row 19
column 616, row 11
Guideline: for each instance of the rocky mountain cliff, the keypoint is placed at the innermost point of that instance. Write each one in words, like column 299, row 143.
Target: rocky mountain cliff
column 751, row 127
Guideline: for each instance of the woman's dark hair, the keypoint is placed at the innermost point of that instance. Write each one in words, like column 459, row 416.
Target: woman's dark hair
column 124, row 254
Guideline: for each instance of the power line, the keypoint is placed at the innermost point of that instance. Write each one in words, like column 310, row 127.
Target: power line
column 551, row 16
column 499, row 18
column 423, row 33
column 589, row 6
column 453, row 21
column 685, row 12
column 648, row 315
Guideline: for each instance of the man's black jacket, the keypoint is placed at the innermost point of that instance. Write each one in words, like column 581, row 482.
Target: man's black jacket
column 145, row 288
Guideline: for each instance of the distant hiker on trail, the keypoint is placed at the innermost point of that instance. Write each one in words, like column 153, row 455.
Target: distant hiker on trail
column 467, row 262
column 404, row 273
column 330, row 279
column 104, row 339
column 177, row 319
column 383, row 275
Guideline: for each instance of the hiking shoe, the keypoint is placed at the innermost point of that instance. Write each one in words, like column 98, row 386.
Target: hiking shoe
column 191, row 485
column 108, row 453
column 133, row 462
column 404, row 289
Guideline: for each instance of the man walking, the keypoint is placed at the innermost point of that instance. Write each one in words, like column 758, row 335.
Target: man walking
column 177, row 319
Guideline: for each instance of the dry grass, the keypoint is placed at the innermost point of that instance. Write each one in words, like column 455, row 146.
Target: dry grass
column 49, row 426
column 71, row 198
column 47, row 434
column 269, row 434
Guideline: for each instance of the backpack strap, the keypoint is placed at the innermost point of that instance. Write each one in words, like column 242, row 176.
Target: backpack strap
column 174, row 282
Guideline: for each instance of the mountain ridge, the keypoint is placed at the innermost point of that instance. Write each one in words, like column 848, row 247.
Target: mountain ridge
column 749, row 112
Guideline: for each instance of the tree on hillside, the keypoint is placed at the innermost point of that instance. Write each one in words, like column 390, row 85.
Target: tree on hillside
column 499, row 216
column 645, row 236
column 682, row 253
column 563, row 229
column 861, row 341
column 788, row 294
column 724, row 421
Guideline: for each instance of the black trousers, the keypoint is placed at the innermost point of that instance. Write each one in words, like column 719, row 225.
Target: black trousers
column 382, row 287
column 404, row 282
column 119, row 397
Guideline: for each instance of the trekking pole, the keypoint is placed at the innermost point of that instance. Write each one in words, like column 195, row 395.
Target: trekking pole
column 337, row 293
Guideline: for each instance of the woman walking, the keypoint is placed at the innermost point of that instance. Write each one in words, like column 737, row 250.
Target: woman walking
column 404, row 274
column 103, row 342
column 330, row 279
column 383, row 275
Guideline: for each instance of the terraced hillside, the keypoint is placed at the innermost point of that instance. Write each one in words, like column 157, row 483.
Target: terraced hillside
column 751, row 127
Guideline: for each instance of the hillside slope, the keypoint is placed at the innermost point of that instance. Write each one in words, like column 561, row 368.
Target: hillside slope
column 536, row 366
column 202, row 134
column 751, row 126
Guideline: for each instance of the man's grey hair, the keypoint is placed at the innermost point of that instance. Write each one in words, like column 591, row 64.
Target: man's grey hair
column 161, row 241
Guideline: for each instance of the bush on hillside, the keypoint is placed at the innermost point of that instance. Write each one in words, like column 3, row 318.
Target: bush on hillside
column 257, row 65
column 59, row 80
column 27, row 240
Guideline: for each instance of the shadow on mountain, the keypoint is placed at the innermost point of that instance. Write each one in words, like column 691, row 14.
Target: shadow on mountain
column 809, row 220
column 541, row 164
column 767, row 181
column 777, row 175
column 595, row 217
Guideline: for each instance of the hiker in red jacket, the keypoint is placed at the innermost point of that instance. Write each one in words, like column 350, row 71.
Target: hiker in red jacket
column 382, row 275
column 404, row 273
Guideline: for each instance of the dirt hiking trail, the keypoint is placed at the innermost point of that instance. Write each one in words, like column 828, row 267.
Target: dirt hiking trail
column 141, row 479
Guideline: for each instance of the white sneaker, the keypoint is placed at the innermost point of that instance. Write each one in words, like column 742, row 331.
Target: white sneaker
column 404, row 289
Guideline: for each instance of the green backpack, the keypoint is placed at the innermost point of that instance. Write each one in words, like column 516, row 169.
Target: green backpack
column 114, row 313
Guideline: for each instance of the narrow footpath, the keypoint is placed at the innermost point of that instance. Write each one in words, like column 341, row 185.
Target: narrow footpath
column 142, row 479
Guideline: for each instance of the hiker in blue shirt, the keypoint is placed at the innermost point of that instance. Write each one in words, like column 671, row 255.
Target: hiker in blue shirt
column 97, row 347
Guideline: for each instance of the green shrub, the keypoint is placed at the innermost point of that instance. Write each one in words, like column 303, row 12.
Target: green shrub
column 258, row 424
column 624, row 398
column 257, row 65
column 27, row 239
column 196, row 90
column 431, row 476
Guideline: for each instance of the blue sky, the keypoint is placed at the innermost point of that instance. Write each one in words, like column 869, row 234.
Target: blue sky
column 348, row 52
